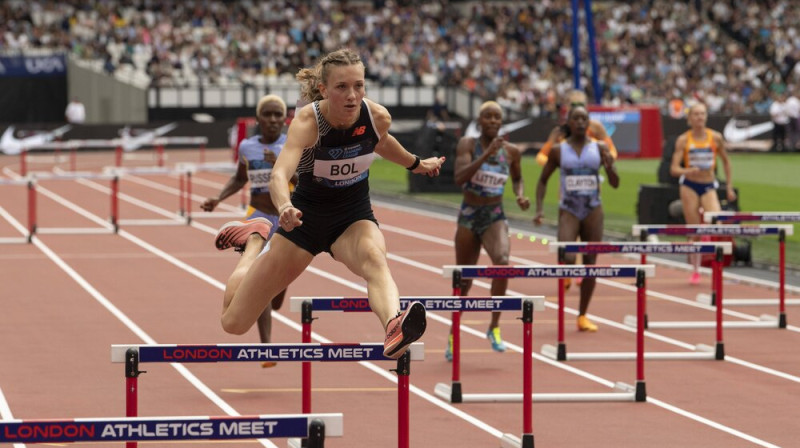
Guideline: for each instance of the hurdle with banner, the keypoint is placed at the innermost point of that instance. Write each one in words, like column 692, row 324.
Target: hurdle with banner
column 622, row 392
column 314, row 427
column 133, row 355
column 526, row 304
column 739, row 217
column 702, row 351
column 766, row 321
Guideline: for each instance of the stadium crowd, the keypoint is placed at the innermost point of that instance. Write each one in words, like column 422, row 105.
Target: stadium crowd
column 736, row 55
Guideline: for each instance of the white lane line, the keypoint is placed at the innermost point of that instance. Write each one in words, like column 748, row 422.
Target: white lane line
column 5, row 410
column 653, row 400
column 221, row 286
column 116, row 312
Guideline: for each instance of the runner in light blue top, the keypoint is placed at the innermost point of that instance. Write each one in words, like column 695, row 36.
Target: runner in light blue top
column 580, row 208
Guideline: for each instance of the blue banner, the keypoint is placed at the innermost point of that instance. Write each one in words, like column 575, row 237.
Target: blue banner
column 548, row 272
column 715, row 231
column 445, row 303
column 30, row 66
column 640, row 248
column 138, row 429
column 261, row 352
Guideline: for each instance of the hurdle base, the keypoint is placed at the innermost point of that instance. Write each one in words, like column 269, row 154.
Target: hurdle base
column 557, row 353
column 702, row 351
column 622, row 392
column 512, row 441
column 767, row 321
column 782, row 320
column 450, row 392
column 720, row 352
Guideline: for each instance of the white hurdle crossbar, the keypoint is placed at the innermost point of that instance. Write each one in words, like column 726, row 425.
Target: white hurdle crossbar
column 315, row 427
column 702, row 351
column 623, row 392
column 780, row 230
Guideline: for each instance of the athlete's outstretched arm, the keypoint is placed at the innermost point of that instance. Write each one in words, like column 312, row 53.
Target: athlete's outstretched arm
column 553, row 162
column 390, row 149
column 726, row 165
column 301, row 135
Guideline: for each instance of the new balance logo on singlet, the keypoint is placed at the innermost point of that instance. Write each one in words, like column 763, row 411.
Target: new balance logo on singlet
column 359, row 131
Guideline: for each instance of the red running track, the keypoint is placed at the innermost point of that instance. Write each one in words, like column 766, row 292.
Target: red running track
column 68, row 298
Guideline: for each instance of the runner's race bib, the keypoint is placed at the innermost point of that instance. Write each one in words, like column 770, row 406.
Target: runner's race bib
column 342, row 172
column 702, row 158
column 489, row 180
column 581, row 183
column 259, row 178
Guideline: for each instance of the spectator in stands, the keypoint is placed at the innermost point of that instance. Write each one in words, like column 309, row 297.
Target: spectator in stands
column 483, row 166
column 257, row 156
column 781, row 118
column 694, row 161
column 580, row 208
column 75, row 112
column 331, row 144
column 793, row 109
column 646, row 49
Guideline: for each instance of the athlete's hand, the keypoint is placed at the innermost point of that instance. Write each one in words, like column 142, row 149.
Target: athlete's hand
column 731, row 193
column 290, row 218
column 270, row 157
column 523, row 202
column 209, row 204
column 430, row 166
column 495, row 146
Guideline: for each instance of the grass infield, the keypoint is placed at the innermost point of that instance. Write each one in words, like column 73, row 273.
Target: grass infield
column 766, row 182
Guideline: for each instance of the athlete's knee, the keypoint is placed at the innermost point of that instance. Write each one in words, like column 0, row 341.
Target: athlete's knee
column 569, row 258
column 501, row 259
column 589, row 258
column 373, row 257
column 233, row 326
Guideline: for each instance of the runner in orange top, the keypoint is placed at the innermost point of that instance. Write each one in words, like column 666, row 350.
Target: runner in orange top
column 694, row 160
column 595, row 131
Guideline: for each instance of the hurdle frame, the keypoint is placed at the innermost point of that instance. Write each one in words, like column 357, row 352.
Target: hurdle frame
column 702, row 351
column 32, row 181
column 130, row 355
column 141, row 429
column 623, row 392
column 781, row 230
column 30, row 187
column 306, row 306
column 444, row 303
column 727, row 217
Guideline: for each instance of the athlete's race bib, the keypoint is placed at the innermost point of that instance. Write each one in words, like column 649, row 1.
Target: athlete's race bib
column 489, row 180
column 259, row 178
column 342, row 172
column 581, row 183
column 702, row 158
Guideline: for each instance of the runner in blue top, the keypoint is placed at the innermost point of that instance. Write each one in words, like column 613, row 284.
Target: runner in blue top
column 257, row 154
column 482, row 168
column 580, row 208
column 331, row 143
